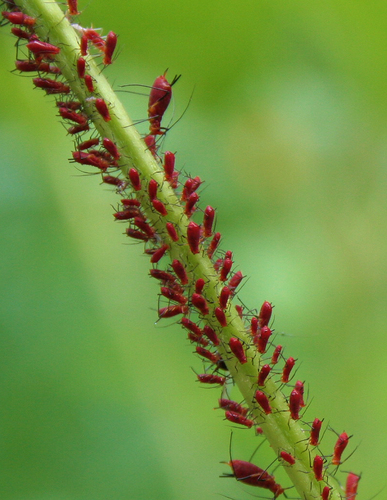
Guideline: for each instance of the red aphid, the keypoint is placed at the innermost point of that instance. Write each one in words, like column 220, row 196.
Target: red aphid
column 341, row 444
column 193, row 237
column 88, row 144
column 159, row 99
column 144, row 226
column 228, row 404
column 19, row 18
column 325, row 493
column 288, row 457
column 213, row 245
column 131, row 202
column 76, row 129
column 25, row 35
column 150, row 141
column 289, row 364
column 158, row 254
column 220, row 316
column 263, row 402
column 102, row 109
column 28, row 66
column 81, row 67
column 315, row 432
column 351, row 486
column 74, row 105
column 224, row 297
column 127, row 214
column 152, row 189
column 299, row 386
column 83, row 45
column 208, row 378
column 211, row 335
column 73, row 116
column 236, row 347
column 214, row 357
column 226, row 268
column 190, row 186
column 169, row 165
column 90, row 159
column 180, row 271
column 254, row 327
column 208, row 221
column 160, row 207
column 171, row 294
column 199, row 285
column 110, row 45
column 237, row 418
column 239, row 310
column 263, row 374
column 51, row 86
column 73, row 7
column 276, row 354
column 111, row 148
column 198, row 339
column 95, row 38
column 235, row 280
column 89, row 83
column 137, row 235
column 171, row 311
column 318, row 464
column 294, row 404
column 40, row 48
column 134, row 179
column 161, row 275
column 190, row 204
column 172, row 231
column 114, row 181
column 265, row 314
column 200, row 303
column 192, row 327
column 253, row 475
column 263, row 339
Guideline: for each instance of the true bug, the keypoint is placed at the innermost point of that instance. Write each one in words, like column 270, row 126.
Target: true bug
column 159, row 99
column 237, row 349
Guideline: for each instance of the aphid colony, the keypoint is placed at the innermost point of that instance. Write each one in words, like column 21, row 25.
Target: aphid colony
column 185, row 295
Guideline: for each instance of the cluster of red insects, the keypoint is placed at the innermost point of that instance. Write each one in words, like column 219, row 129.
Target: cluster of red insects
column 184, row 297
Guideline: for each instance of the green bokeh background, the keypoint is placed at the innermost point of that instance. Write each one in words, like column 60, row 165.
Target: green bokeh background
column 288, row 126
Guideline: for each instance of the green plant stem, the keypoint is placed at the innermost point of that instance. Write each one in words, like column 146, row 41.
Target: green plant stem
column 282, row 432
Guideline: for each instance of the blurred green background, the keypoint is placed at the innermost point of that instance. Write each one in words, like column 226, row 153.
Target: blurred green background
column 288, row 126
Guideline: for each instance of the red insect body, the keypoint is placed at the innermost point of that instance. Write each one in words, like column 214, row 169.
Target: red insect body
column 73, row 116
column 88, row 144
column 192, row 327
column 158, row 254
column 159, row 99
column 19, row 18
column 178, row 267
column 237, row 418
column 208, row 221
column 263, row 402
column 315, row 432
column 276, row 354
column 263, row 374
column 239, row 310
column 208, row 378
column 234, row 281
column 288, row 457
column 137, row 235
column 150, row 141
column 200, row 303
column 172, row 231
column 83, row 45
column 190, row 186
column 110, row 45
column 76, row 129
column 32, row 66
column 325, row 493
column 114, row 181
column 289, row 364
column 171, row 311
column 224, row 297
column 25, row 35
column 339, row 448
column 265, row 314
column 74, row 105
column 127, row 214
column 95, row 38
column 294, row 404
column 253, row 475
column 160, row 207
column 263, row 339
column 236, row 347
column 220, row 316
column 169, row 165
column 90, row 159
column 211, row 335
column 132, row 202
column 102, row 109
column 351, row 486
column 199, row 285
column 152, row 189
column 81, row 67
column 134, row 179
column 228, row 404
column 211, row 356
column 318, row 464
column 171, row 294
column 193, row 237
column 299, row 386
column 73, row 7
column 254, row 328
column 144, row 226
column 40, row 48
column 190, row 204
column 89, row 83
column 226, row 268
column 51, row 86
column 213, row 245
column 111, row 148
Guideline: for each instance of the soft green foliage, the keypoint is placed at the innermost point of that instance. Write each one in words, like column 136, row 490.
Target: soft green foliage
column 289, row 112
